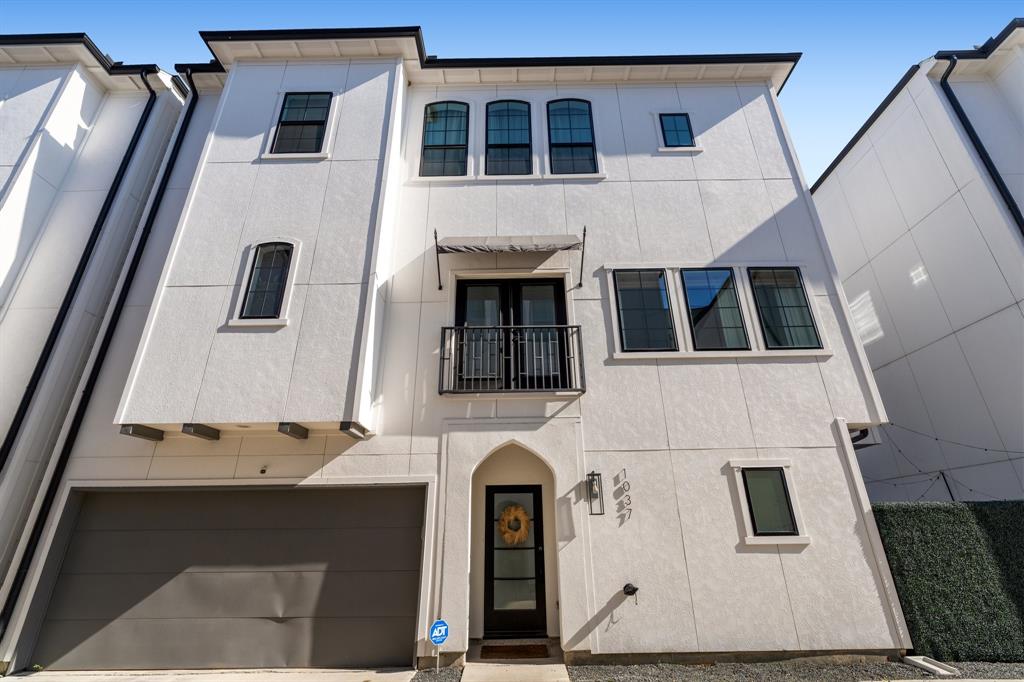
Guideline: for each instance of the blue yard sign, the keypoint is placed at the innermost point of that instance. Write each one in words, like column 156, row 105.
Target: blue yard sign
column 438, row 632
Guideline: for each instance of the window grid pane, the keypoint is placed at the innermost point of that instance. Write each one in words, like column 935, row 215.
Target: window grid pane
column 571, row 137
column 302, row 123
column 508, row 139
column 265, row 293
column 676, row 130
column 771, row 510
column 445, row 139
column 645, row 321
column 783, row 309
column 714, row 310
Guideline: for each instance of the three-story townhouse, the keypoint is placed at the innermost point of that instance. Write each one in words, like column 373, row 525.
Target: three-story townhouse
column 545, row 347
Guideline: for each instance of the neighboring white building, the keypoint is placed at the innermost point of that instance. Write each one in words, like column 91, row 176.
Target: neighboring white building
column 923, row 213
column 81, row 139
column 414, row 338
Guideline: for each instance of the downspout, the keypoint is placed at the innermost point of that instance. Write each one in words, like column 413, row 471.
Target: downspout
column 76, row 280
column 979, row 147
column 53, row 487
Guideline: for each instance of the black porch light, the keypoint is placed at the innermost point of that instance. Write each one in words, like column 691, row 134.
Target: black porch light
column 595, row 493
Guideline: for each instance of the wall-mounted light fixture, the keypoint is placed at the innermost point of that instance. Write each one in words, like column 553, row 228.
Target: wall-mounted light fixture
column 595, row 493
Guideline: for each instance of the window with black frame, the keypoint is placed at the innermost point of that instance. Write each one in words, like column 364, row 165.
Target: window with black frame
column 571, row 137
column 508, row 138
column 302, row 124
column 445, row 139
column 771, row 510
column 645, row 321
column 268, row 279
column 713, row 308
column 783, row 309
column 676, row 130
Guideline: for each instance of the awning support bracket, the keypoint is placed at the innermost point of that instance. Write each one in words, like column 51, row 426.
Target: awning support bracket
column 583, row 254
column 437, row 255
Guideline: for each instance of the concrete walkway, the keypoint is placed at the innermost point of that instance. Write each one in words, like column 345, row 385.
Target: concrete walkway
column 481, row 671
column 262, row 675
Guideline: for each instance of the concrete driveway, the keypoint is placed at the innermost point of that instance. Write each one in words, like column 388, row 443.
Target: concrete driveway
column 262, row 675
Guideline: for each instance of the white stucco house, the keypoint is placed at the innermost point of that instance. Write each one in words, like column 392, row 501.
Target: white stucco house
column 923, row 213
column 549, row 348
column 81, row 140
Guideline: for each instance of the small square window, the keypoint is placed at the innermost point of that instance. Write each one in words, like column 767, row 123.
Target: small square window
column 645, row 321
column 302, row 124
column 771, row 510
column 676, row 130
column 782, row 308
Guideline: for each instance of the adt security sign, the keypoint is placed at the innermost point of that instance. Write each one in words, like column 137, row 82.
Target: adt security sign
column 438, row 632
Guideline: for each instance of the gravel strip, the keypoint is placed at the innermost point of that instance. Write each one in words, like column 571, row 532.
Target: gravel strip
column 782, row 672
column 451, row 674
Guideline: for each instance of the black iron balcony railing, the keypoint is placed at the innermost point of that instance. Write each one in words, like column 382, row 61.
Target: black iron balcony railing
column 511, row 359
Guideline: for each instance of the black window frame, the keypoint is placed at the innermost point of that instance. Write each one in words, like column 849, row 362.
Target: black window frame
column 618, row 312
column 689, row 125
column 785, row 491
column 464, row 146
column 281, row 123
column 689, row 311
column 552, row 145
column 487, row 142
column 760, row 318
column 247, row 292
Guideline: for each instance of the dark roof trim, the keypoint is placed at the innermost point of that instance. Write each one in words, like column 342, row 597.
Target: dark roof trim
column 990, row 46
column 201, row 67
column 867, row 124
column 179, row 85
column 111, row 67
column 432, row 62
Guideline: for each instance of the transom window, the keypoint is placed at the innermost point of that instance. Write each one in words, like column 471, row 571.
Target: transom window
column 771, row 510
column 571, row 137
column 782, row 308
column 508, row 138
column 676, row 130
column 302, row 123
column 268, row 280
column 645, row 321
column 445, row 139
column 714, row 310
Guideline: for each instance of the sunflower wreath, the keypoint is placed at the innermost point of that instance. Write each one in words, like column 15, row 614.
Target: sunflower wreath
column 514, row 512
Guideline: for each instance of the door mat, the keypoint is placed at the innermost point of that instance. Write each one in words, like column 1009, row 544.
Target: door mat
column 490, row 651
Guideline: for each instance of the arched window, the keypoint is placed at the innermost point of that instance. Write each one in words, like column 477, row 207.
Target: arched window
column 571, row 136
column 445, row 139
column 508, row 138
column 268, row 279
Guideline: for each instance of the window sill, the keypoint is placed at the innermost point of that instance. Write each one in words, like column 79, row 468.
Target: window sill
column 698, row 355
column 777, row 540
column 311, row 156
column 239, row 322
column 463, row 179
column 680, row 150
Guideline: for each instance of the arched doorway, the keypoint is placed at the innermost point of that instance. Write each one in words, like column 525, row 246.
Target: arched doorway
column 513, row 577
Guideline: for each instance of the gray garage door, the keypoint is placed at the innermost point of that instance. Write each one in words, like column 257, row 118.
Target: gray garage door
column 238, row 579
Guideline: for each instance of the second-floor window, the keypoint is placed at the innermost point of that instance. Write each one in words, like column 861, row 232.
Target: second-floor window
column 268, row 280
column 302, row 124
column 782, row 307
column 445, row 139
column 508, row 138
column 676, row 130
column 645, row 321
column 571, row 137
column 714, row 309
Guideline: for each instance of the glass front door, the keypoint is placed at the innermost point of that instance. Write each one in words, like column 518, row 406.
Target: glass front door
column 514, row 604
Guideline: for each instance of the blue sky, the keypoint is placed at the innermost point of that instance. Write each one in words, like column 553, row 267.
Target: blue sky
column 854, row 52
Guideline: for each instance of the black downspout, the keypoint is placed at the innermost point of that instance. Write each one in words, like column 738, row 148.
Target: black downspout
column 18, row 582
column 979, row 147
column 76, row 281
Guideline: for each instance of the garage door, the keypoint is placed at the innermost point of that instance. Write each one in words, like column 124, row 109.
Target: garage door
column 238, row 579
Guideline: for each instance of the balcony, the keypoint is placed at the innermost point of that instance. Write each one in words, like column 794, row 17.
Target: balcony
column 511, row 359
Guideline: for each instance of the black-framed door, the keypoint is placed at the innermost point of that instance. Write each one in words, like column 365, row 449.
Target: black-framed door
column 514, row 599
column 516, row 336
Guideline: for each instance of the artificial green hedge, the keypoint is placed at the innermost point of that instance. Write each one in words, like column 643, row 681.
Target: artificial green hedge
column 959, row 572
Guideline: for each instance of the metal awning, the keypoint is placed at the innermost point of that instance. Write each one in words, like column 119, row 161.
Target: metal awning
column 548, row 243
column 510, row 244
